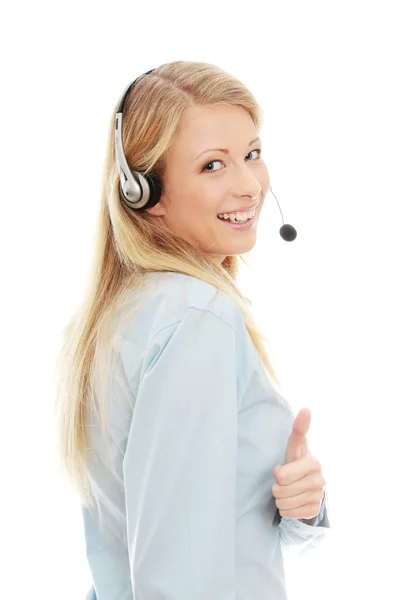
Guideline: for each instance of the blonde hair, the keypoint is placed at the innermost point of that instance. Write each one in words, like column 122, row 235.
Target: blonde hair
column 129, row 244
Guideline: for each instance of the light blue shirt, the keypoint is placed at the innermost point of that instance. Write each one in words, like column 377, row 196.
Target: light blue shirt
column 185, row 509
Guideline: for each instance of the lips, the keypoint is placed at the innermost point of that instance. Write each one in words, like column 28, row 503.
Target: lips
column 239, row 210
column 241, row 225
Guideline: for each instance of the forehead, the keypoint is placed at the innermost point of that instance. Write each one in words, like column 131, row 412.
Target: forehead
column 215, row 126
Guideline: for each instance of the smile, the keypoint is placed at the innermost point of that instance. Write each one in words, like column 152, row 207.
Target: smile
column 238, row 217
column 240, row 225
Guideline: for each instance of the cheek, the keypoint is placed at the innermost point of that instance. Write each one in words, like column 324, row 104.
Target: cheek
column 202, row 203
column 188, row 209
column 194, row 201
column 263, row 177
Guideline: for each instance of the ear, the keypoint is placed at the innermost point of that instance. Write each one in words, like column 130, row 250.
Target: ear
column 159, row 209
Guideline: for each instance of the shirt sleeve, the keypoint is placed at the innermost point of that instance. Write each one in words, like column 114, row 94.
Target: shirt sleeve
column 180, row 464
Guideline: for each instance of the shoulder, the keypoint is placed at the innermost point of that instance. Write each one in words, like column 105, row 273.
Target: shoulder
column 167, row 297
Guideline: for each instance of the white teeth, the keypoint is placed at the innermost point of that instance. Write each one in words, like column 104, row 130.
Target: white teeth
column 243, row 216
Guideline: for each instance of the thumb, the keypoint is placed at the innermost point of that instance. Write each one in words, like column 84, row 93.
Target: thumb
column 297, row 445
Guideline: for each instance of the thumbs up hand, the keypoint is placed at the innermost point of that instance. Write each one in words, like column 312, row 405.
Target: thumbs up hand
column 299, row 487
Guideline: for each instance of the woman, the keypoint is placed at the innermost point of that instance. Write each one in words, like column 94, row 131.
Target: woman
column 191, row 470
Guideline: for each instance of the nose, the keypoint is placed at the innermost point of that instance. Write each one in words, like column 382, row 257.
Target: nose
column 248, row 184
column 248, row 193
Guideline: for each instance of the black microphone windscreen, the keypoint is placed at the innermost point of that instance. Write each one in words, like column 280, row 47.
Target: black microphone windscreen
column 288, row 233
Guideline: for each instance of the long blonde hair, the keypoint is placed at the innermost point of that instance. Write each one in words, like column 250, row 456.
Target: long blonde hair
column 129, row 244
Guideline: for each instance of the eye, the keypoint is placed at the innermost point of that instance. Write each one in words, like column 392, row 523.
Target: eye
column 205, row 170
column 257, row 150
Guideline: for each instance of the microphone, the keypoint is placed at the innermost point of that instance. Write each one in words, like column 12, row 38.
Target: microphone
column 287, row 232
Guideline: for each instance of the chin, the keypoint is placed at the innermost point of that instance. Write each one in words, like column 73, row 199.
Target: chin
column 241, row 248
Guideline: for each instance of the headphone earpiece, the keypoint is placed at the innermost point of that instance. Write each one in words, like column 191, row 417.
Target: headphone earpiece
column 140, row 191
column 155, row 190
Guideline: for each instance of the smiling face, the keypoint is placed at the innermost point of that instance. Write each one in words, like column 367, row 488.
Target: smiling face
column 202, row 181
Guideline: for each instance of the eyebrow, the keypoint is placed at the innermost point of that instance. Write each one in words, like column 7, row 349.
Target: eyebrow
column 225, row 150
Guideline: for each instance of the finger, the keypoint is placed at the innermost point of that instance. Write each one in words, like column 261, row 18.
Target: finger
column 308, row 511
column 311, row 482
column 298, row 469
column 309, row 497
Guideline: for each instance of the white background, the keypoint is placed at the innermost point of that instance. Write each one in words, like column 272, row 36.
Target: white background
column 327, row 77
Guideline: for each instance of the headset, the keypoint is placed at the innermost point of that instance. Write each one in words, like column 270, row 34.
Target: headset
column 144, row 191
column 138, row 191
